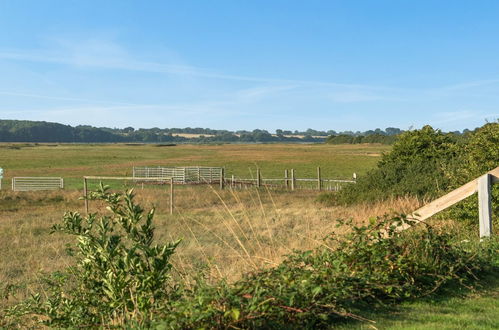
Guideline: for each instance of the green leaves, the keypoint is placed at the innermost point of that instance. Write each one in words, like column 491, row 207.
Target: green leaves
column 120, row 274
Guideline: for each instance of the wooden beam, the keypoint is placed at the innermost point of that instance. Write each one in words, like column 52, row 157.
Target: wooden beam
column 222, row 181
column 319, row 182
column 449, row 199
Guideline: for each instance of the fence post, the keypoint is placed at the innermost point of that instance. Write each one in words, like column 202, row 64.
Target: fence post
column 232, row 181
column 484, row 205
column 286, row 182
column 222, row 178
column 199, row 175
column 171, row 195
column 319, row 181
column 85, row 194
column 258, row 178
column 293, row 179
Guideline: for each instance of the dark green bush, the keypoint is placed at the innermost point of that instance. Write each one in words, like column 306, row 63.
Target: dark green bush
column 478, row 155
column 415, row 166
column 427, row 163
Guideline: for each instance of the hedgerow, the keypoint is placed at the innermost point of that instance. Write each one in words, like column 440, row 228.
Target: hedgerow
column 122, row 278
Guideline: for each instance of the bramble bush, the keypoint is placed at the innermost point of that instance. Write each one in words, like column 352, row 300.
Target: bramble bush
column 372, row 266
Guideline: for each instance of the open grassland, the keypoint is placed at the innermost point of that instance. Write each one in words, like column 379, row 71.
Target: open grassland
column 227, row 233
column 231, row 232
column 74, row 161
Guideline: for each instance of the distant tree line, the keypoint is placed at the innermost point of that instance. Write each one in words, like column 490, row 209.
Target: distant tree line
column 39, row 131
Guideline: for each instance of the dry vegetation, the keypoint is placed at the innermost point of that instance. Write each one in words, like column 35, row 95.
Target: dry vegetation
column 230, row 232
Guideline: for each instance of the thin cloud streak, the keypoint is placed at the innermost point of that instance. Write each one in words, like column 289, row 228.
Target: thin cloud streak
column 62, row 98
column 352, row 92
column 152, row 67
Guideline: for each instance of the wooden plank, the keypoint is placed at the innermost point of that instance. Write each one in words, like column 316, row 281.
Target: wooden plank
column 222, row 181
column 449, row 199
column 485, row 205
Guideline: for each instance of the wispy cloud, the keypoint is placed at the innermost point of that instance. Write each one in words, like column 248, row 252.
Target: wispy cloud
column 105, row 54
column 62, row 98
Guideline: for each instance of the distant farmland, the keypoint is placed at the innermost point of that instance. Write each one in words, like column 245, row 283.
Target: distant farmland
column 74, row 161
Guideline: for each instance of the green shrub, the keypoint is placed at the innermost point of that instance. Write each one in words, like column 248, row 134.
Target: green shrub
column 478, row 155
column 415, row 166
column 120, row 276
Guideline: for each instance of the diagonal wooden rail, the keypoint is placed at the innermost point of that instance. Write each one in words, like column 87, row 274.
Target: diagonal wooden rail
column 482, row 185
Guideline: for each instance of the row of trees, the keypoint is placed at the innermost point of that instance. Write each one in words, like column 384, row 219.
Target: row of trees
column 36, row 131
column 33, row 131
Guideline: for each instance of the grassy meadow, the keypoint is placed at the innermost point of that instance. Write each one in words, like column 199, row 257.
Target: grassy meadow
column 228, row 232
column 210, row 221
column 74, row 161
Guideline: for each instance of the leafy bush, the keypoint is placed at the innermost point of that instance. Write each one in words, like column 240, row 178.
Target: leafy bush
column 427, row 163
column 478, row 155
column 120, row 275
column 415, row 166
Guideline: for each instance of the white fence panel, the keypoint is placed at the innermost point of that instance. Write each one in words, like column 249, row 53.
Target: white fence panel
column 37, row 183
column 182, row 175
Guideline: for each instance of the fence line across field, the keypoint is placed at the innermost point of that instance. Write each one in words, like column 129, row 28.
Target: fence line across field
column 37, row 183
column 200, row 175
column 165, row 179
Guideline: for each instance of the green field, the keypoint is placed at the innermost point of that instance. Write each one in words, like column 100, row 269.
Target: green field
column 74, row 161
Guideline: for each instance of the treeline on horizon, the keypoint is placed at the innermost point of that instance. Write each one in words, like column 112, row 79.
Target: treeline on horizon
column 40, row 131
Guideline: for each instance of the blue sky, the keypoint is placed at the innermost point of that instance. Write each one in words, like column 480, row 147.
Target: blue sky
column 342, row 65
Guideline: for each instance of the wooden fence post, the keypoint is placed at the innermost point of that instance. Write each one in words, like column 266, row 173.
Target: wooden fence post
column 293, row 180
column 286, row 182
column 258, row 178
column 85, row 194
column 171, row 196
column 232, row 184
column 222, row 178
column 319, row 181
column 484, row 205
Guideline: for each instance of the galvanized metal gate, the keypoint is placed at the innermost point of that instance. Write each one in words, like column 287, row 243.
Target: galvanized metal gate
column 180, row 175
column 37, row 183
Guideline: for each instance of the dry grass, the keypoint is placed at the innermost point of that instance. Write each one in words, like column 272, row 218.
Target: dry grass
column 230, row 232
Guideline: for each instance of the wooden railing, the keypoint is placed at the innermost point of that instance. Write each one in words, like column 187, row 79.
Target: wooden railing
column 482, row 185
